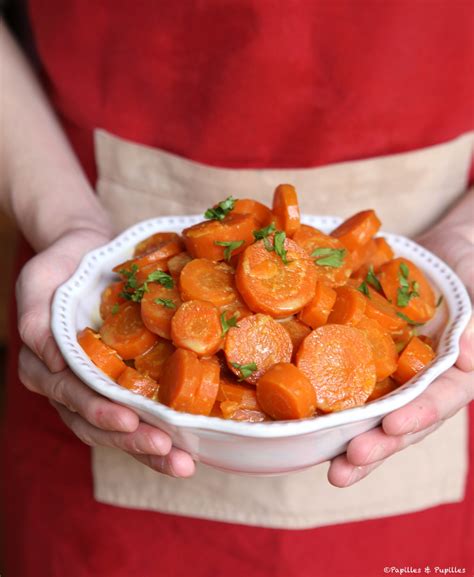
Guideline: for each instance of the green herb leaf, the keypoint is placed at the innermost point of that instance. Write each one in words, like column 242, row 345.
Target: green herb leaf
column 230, row 246
column 133, row 291
column 405, row 293
column 264, row 232
column 245, row 370
column 408, row 320
column 373, row 280
column 167, row 303
column 162, row 278
column 364, row 289
column 115, row 309
column 279, row 245
column 219, row 211
column 439, row 301
column 226, row 324
column 332, row 257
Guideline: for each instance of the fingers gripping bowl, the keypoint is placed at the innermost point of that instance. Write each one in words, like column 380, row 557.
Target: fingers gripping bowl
column 268, row 447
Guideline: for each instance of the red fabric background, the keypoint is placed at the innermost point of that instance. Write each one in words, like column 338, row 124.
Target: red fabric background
column 241, row 84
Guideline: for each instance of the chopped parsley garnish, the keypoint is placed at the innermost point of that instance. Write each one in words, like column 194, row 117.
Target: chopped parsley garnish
column 263, row 234
column 167, row 303
column 373, row 280
column 245, row 370
column 408, row 320
column 230, row 247
column 405, row 291
column 226, row 324
column 219, row 211
column 115, row 309
column 133, row 291
column 364, row 289
column 332, row 257
column 279, row 245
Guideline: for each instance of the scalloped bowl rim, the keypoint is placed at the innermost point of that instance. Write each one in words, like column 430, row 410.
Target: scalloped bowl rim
column 62, row 323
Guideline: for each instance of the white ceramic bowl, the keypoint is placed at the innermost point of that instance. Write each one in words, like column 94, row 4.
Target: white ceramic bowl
column 267, row 448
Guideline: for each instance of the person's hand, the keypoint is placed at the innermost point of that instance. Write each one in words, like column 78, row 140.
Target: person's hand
column 442, row 399
column 93, row 418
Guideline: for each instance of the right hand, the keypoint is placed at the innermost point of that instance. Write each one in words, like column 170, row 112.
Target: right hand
column 42, row 369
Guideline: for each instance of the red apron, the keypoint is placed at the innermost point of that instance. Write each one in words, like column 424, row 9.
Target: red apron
column 237, row 84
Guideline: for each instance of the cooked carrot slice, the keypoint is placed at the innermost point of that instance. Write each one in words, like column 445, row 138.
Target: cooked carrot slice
column 414, row 357
column 236, row 309
column 428, row 341
column 156, row 242
column 401, row 337
column 162, row 253
column 216, row 410
column 158, row 306
column 103, row 356
column 239, row 394
column 384, row 349
column 357, row 230
column 297, row 330
column 284, row 393
column 177, row 263
column 383, row 253
column 261, row 213
column 232, row 411
column 378, row 308
column 363, row 254
column 180, row 380
column 126, row 333
column 382, row 388
column 196, row 326
column 255, row 345
column 138, row 383
column 338, row 360
column 268, row 285
column 286, row 209
column 349, row 306
column 143, row 273
column 408, row 289
column 208, row 281
column 111, row 299
column 316, row 312
column 333, row 261
column 200, row 239
column 152, row 362
column 206, row 393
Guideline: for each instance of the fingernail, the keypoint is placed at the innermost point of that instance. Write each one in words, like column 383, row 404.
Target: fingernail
column 410, row 425
column 375, row 454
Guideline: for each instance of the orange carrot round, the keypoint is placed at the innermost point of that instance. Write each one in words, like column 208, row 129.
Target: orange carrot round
column 200, row 239
column 272, row 284
column 414, row 358
column 103, row 356
column 158, row 307
column 338, row 361
column 317, row 311
column 156, row 242
column 378, row 308
column 182, row 375
column 177, row 263
column 208, row 281
column 261, row 213
column 286, row 209
column 383, row 253
column 384, row 349
column 255, row 345
column 357, row 230
column 284, row 393
column 232, row 411
column 134, row 381
column 408, row 289
column 297, row 330
column 161, row 252
column 208, row 388
column 111, row 299
column 152, row 362
column 349, row 306
column 383, row 388
column 239, row 394
column 196, row 326
column 363, row 254
column 126, row 333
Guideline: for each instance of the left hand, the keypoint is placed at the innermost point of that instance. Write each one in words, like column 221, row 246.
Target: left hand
column 441, row 400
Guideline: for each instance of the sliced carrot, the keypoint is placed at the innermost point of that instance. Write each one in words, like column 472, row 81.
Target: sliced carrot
column 138, row 383
column 297, row 330
column 378, row 308
column 402, row 337
column 338, row 360
column 261, row 213
column 333, row 261
column 182, row 375
column 152, row 362
column 363, row 254
column 428, row 341
column 232, row 411
column 383, row 253
column 103, row 356
column 177, row 263
column 161, row 252
column 349, row 306
column 216, row 411
column 408, row 289
column 284, row 393
column 316, row 312
column 158, row 306
column 384, row 349
column 268, row 285
column 286, row 209
column 200, row 239
column 155, row 242
column 414, row 357
column 143, row 273
column 196, row 326
column 111, row 299
column 236, row 309
column 208, row 281
column 383, row 388
column 242, row 395
column 126, row 333
column 255, row 345
column 208, row 388
column 357, row 230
